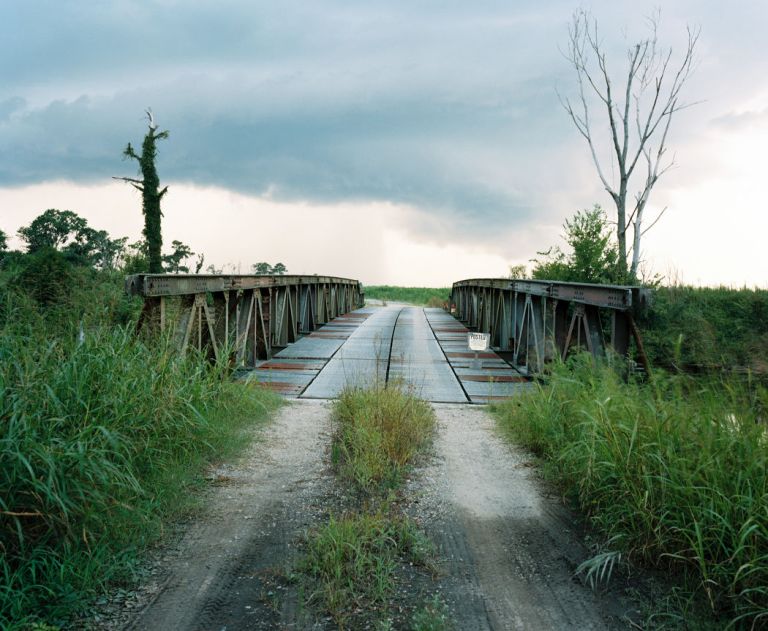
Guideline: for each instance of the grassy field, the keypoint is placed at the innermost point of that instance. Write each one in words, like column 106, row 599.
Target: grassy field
column 428, row 296
column 673, row 474
column 101, row 438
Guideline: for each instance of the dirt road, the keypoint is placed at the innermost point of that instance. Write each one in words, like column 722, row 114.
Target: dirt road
column 507, row 552
column 226, row 571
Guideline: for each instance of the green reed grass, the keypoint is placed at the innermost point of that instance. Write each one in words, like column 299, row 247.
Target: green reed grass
column 353, row 559
column 674, row 474
column 380, row 431
column 99, row 443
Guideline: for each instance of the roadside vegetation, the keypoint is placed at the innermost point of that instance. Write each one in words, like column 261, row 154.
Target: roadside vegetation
column 708, row 329
column 673, row 473
column 102, row 434
column 427, row 296
column 353, row 561
column 690, row 329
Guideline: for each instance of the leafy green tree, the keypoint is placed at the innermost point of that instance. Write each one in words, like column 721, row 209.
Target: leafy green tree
column 151, row 193
column 279, row 269
column 174, row 262
column 52, row 229
column 135, row 259
column 3, row 244
column 593, row 256
column 67, row 232
column 518, row 271
column 261, row 268
column 46, row 275
column 96, row 248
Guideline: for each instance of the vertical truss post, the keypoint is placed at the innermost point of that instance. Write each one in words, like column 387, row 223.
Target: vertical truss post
column 620, row 332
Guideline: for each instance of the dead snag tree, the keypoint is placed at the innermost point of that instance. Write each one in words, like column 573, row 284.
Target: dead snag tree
column 639, row 113
column 151, row 194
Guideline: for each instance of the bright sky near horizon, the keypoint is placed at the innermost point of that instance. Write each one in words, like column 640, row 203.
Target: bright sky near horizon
column 394, row 142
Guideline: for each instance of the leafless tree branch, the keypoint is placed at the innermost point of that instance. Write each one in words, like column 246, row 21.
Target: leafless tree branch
column 652, row 88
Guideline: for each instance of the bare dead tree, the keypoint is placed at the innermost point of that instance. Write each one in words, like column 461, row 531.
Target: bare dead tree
column 639, row 116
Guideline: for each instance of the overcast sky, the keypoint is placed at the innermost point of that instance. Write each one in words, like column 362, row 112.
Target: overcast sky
column 401, row 142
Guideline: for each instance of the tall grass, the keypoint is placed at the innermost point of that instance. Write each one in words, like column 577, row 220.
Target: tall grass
column 99, row 442
column 430, row 296
column 674, row 474
column 379, row 432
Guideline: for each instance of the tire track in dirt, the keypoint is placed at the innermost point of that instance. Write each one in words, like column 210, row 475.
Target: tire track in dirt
column 229, row 566
column 508, row 552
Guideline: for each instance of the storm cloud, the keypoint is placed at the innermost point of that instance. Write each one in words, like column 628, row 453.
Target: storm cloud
column 446, row 107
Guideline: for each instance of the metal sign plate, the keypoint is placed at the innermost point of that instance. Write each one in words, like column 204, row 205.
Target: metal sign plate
column 478, row 341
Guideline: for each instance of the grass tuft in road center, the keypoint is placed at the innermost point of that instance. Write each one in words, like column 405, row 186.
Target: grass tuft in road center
column 379, row 433
column 353, row 560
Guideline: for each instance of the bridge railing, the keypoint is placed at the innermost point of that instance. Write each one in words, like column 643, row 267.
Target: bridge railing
column 245, row 317
column 537, row 321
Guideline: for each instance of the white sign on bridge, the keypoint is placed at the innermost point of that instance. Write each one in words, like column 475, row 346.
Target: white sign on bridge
column 479, row 341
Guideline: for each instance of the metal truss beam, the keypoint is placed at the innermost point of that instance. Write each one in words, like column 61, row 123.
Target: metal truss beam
column 240, row 318
column 530, row 318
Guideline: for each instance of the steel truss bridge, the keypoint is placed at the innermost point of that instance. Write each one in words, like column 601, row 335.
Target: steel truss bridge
column 537, row 321
column 241, row 317
column 246, row 319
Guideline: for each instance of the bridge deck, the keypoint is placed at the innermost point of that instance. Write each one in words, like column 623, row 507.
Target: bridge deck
column 425, row 348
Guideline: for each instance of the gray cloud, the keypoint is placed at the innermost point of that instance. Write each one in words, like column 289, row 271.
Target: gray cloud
column 741, row 120
column 425, row 149
column 447, row 106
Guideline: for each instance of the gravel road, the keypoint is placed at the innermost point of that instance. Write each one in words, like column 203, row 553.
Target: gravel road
column 507, row 552
column 225, row 572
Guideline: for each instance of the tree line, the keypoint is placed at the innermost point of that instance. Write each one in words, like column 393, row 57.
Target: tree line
column 68, row 235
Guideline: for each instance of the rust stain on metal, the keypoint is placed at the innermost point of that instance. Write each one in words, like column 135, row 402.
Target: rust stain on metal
column 494, row 378
column 279, row 386
column 472, row 355
column 284, row 366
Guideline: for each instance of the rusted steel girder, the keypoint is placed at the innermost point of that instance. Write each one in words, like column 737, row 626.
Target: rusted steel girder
column 240, row 318
column 538, row 320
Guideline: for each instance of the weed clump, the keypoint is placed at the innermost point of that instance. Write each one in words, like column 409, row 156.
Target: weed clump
column 353, row 559
column 380, row 431
column 674, row 473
